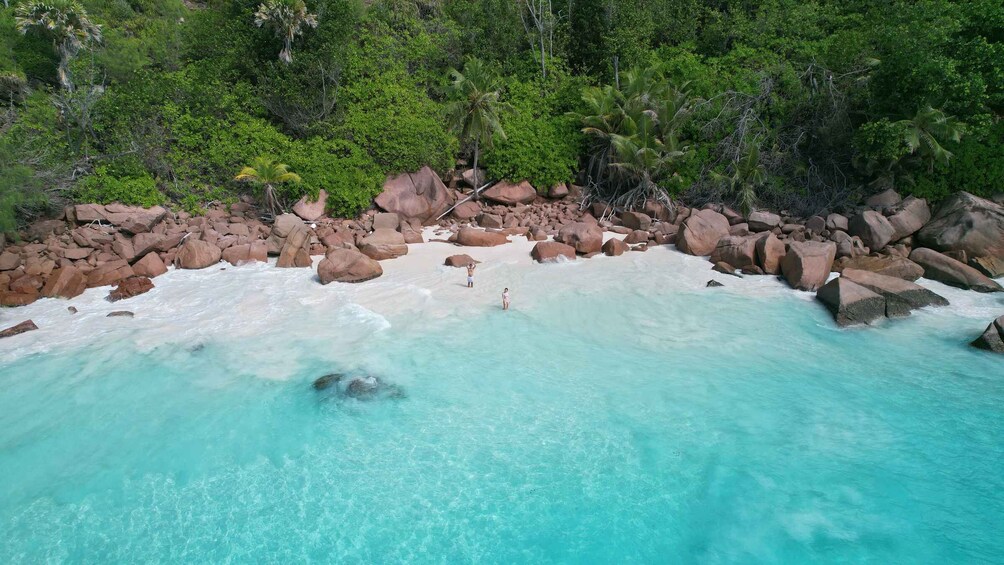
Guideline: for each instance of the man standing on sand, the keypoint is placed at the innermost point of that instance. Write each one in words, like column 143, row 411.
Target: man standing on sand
column 505, row 299
column 470, row 275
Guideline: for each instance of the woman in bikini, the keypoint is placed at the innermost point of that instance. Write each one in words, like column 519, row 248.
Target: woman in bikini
column 505, row 299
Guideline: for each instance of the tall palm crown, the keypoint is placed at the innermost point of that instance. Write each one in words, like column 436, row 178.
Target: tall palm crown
column 475, row 111
column 266, row 173
column 287, row 18
column 927, row 130
column 66, row 22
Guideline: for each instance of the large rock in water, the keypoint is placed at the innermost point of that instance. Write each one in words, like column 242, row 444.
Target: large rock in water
column 420, row 195
column 807, row 264
column 509, row 193
column 472, row 237
column 127, row 288
column 25, row 326
column 348, row 266
column 889, row 265
column 901, row 296
column 383, row 244
column 993, row 338
column 851, row 303
column 197, row 254
column 873, row 229
column 585, row 237
column 940, row 267
column 67, row 282
column 701, row 231
column 966, row 223
column 738, row 251
column 549, row 251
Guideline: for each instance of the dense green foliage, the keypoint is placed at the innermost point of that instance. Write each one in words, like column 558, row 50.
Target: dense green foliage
column 802, row 104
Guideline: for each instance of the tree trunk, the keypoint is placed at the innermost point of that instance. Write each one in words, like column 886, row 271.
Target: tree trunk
column 477, row 181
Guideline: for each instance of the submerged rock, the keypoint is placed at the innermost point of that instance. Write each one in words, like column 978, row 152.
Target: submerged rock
column 713, row 283
column 851, row 303
column 120, row 314
column 358, row 387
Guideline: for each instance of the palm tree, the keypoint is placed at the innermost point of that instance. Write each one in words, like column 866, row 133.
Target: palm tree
column 927, row 130
column 475, row 112
column 66, row 22
column 265, row 173
column 287, row 18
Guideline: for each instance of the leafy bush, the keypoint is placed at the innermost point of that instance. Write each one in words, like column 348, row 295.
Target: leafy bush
column 125, row 183
column 541, row 146
column 343, row 169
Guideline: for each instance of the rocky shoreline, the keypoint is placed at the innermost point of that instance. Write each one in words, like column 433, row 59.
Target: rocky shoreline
column 880, row 248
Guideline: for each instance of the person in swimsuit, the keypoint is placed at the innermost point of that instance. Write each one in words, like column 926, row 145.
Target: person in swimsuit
column 505, row 299
column 470, row 275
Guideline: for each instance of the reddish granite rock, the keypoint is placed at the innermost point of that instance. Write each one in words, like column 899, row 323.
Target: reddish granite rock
column 295, row 250
column 940, row 267
column 700, row 232
column 614, row 247
column 420, row 195
column 109, row 273
column 311, row 210
column 27, row 284
column 471, row 237
column 127, row 288
column 769, row 253
column 9, row 261
column 255, row 251
column 467, row 210
column 901, row 296
column 347, row 265
column 873, row 229
column 889, row 265
column 559, row 190
column 585, row 237
column 505, row 192
column 459, row 260
column 197, row 254
column 807, row 264
column 87, row 213
column 549, row 251
column 992, row 339
column 738, row 251
column 25, row 326
column 383, row 244
column 636, row 221
column 67, row 282
column 150, row 266
column 851, row 303
column 965, row 222
column 12, row 299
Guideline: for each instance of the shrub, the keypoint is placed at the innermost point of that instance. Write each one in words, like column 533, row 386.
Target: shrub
column 341, row 168
column 541, row 145
column 125, row 184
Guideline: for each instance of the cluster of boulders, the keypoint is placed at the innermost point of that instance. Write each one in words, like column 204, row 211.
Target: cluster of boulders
column 880, row 248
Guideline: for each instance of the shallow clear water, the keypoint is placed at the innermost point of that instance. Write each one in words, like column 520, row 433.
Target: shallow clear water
column 621, row 412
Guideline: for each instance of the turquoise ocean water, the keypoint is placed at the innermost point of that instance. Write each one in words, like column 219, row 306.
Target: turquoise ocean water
column 620, row 413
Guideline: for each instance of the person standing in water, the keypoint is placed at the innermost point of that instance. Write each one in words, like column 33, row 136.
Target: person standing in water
column 505, row 299
column 470, row 275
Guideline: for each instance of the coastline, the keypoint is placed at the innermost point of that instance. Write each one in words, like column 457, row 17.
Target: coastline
column 183, row 309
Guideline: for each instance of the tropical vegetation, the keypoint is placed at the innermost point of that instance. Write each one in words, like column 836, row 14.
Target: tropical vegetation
column 797, row 104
